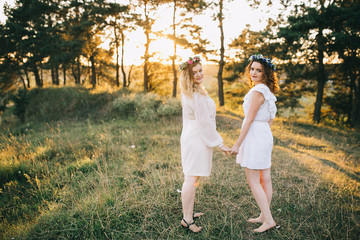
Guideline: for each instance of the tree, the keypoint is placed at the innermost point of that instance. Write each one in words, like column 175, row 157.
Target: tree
column 120, row 24
column 345, row 41
column 146, row 21
column 220, row 17
column 305, row 33
column 26, row 29
column 193, row 6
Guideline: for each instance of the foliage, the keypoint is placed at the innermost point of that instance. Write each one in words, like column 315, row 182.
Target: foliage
column 146, row 106
column 55, row 104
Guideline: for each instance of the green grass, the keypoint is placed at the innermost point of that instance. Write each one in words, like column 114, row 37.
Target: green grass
column 118, row 179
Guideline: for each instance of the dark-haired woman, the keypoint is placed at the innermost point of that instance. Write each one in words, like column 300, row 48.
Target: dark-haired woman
column 254, row 145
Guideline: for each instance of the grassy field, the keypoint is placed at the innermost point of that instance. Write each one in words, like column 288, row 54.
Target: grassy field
column 120, row 179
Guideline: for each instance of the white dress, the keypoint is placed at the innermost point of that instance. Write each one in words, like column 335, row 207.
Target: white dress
column 199, row 135
column 255, row 151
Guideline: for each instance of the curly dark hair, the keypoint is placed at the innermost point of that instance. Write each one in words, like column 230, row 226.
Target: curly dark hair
column 271, row 79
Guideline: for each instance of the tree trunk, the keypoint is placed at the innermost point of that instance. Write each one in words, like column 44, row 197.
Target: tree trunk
column 174, row 56
column 27, row 78
column 23, row 82
column 355, row 112
column 129, row 76
column 57, row 75
column 321, row 76
column 122, row 59
column 146, row 55
column 64, row 74
column 73, row 72
column 222, row 53
column 93, row 72
column 78, row 70
column 117, row 81
column 52, row 76
column 41, row 74
column 38, row 81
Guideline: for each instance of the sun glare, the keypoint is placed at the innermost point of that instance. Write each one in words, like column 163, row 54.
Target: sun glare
column 163, row 49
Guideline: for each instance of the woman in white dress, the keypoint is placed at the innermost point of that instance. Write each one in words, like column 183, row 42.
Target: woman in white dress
column 254, row 145
column 198, row 137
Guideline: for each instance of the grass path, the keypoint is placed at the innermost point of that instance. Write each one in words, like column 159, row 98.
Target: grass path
column 120, row 180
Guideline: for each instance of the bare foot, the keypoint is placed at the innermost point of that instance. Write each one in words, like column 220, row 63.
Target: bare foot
column 197, row 214
column 265, row 226
column 256, row 220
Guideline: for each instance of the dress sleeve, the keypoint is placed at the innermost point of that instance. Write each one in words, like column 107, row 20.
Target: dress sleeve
column 206, row 126
column 269, row 96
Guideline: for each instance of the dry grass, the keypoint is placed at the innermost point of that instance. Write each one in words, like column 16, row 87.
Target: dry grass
column 119, row 180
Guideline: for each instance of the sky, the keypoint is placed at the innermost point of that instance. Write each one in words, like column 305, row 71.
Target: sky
column 237, row 14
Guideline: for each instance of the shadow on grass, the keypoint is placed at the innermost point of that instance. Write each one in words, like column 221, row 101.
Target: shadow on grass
column 336, row 137
column 322, row 160
column 234, row 121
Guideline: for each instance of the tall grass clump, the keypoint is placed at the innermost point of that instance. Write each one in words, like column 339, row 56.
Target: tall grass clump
column 146, row 106
column 72, row 103
column 52, row 104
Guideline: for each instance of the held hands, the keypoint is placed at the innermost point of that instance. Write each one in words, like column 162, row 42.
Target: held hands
column 225, row 149
column 234, row 150
column 229, row 151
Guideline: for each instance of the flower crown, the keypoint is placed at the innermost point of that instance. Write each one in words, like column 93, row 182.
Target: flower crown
column 265, row 60
column 191, row 60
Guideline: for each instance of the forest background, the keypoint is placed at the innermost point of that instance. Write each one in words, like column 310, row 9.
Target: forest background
column 85, row 86
column 315, row 45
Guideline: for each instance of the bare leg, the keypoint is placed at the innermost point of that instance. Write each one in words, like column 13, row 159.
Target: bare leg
column 265, row 181
column 253, row 177
column 188, row 198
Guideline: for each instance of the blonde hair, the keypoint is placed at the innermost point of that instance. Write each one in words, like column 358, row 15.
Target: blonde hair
column 270, row 76
column 187, row 82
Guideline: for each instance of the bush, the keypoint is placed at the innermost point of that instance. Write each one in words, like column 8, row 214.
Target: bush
column 170, row 108
column 146, row 106
column 52, row 104
column 21, row 103
column 124, row 105
column 72, row 103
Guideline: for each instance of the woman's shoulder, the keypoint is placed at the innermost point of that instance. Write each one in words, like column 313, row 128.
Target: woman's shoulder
column 261, row 86
column 200, row 95
column 194, row 97
column 265, row 90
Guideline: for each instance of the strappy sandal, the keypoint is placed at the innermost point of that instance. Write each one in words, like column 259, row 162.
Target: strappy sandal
column 191, row 226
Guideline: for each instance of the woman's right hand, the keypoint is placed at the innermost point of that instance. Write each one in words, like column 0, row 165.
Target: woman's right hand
column 234, row 150
column 225, row 149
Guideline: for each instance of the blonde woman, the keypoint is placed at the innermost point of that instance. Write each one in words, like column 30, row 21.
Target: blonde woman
column 198, row 137
column 254, row 145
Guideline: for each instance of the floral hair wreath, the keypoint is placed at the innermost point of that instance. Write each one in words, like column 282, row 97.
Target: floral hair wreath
column 265, row 60
column 190, row 61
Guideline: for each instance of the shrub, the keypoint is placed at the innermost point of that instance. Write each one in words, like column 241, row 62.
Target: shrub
column 147, row 105
column 124, row 105
column 21, row 103
column 170, row 108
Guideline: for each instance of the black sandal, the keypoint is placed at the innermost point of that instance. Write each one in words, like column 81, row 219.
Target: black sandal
column 188, row 225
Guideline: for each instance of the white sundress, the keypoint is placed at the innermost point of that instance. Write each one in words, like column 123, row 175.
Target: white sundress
column 255, row 151
column 199, row 135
